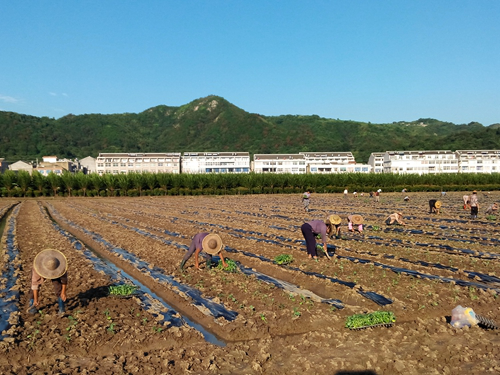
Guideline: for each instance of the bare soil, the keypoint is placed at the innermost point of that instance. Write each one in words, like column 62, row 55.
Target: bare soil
column 424, row 268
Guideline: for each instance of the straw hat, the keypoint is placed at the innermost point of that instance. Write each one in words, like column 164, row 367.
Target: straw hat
column 334, row 219
column 437, row 204
column 50, row 264
column 212, row 244
column 357, row 219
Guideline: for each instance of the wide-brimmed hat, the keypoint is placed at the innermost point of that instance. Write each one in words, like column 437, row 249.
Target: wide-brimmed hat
column 50, row 264
column 357, row 219
column 437, row 204
column 334, row 219
column 474, row 192
column 212, row 244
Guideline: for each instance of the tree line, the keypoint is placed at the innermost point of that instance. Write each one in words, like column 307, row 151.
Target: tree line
column 22, row 184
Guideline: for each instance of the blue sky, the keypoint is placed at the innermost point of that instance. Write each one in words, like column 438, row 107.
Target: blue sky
column 362, row 60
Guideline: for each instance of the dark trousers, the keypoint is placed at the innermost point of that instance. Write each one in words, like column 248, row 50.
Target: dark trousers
column 309, row 236
column 474, row 211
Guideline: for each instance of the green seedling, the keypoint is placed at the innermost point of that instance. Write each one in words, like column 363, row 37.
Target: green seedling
column 231, row 266
column 296, row 313
column 111, row 327
column 283, row 259
column 32, row 338
column 124, row 290
column 157, row 329
column 263, row 318
column 358, row 321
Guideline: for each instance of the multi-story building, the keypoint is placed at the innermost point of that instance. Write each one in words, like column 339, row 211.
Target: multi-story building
column 478, row 161
column 50, row 164
column 88, row 165
column 279, row 163
column 333, row 162
column 420, row 162
column 123, row 163
column 216, row 162
column 376, row 161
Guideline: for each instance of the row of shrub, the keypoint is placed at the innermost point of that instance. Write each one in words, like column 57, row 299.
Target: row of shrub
column 17, row 192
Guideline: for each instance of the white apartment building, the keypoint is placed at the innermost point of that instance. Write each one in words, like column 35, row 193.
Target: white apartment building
column 88, row 165
column 328, row 157
column 376, row 162
column 279, row 163
column 333, row 162
column 420, row 162
column 216, row 162
column 123, row 163
column 478, row 161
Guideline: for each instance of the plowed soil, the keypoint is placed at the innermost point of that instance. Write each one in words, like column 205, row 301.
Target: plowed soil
column 425, row 269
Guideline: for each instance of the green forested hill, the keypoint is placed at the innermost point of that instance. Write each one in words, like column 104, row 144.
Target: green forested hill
column 214, row 124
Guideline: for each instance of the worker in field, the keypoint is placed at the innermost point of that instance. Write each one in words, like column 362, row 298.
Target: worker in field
column 335, row 222
column 313, row 228
column 210, row 244
column 51, row 265
column 474, row 205
column 434, row 206
column 306, row 197
column 492, row 209
column 355, row 220
column 395, row 218
column 466, row 200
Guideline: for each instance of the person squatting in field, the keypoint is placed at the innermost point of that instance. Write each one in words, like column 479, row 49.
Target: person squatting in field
column 51, row 265
column 396, row 217
column 313, row 228
column 306, row 200
column 210, row 243
column 434, row 206
column 492, row 209
column 474, row 205
column 355, row 220
column 335, row 222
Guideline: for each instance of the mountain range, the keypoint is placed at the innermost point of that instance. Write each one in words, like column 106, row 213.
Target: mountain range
column 212, row 124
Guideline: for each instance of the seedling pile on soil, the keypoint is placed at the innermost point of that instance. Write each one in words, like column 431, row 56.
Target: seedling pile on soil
column 283, row 259
column 231, row 266
column 123, row 290
column 374, row 319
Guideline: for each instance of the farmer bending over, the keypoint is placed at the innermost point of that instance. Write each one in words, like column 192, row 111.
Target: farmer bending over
column 310, row 230
column 396, row 217
column 355, row 220
column 492, row 209
column 52, row 265
column 434, row 206
column 210, row 243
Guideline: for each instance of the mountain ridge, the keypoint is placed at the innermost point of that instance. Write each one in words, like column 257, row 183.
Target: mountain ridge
column 214, row 124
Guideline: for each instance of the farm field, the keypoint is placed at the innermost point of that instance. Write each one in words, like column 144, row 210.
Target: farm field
column 266, row 318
